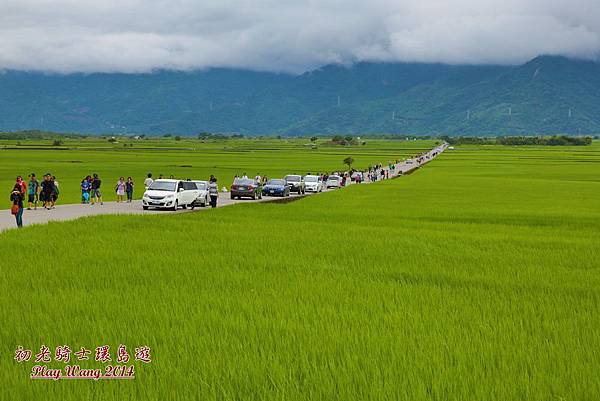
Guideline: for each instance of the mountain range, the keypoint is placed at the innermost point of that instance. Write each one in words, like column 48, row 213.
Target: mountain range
column 547, row 95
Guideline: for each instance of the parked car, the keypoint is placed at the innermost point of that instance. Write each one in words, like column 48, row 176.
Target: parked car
column 296, row 183
column 276, row 187
column 334, row 181
column 246, row 188
column 313, row 183
column 170, row 194
column 203, row 198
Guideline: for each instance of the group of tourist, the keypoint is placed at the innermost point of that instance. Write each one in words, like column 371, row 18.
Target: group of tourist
column 44, row 192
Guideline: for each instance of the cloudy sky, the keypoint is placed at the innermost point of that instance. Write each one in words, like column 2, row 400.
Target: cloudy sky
column 287, row 35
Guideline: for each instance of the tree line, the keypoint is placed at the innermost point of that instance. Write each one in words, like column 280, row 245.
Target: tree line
column 556, row 140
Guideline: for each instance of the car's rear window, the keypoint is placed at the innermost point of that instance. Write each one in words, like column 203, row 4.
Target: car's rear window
column 243, row 181
column 276, row 182
column 293, row 178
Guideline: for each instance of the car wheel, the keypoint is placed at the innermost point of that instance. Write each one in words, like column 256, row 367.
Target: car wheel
column 145, row 207
column 184, row 206
column 253, row 196
column 175, row 206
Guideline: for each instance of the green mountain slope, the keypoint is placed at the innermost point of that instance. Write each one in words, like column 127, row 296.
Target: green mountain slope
column 547, row 95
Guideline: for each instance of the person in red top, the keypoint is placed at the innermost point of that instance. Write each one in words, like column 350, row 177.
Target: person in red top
column 22, row 185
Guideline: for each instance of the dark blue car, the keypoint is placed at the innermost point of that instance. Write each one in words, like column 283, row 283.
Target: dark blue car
column 276, row 187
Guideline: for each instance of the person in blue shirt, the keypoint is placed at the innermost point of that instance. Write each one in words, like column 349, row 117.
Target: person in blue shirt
column 86, row 186
column 32, row 195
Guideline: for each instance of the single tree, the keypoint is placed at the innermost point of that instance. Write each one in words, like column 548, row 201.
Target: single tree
column 348, row 161
column 313, row 139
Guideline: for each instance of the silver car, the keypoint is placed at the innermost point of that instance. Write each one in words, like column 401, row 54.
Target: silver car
column 334, row 181
column 203, row 198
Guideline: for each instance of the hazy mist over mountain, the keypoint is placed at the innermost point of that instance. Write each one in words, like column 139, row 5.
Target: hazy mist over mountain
column 288, row 35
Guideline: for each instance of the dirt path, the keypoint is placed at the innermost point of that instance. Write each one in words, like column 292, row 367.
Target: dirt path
column 75, row 211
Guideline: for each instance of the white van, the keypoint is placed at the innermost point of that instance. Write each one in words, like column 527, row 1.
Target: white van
column 170, row 194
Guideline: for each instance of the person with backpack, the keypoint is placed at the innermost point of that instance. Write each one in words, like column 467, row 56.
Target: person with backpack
column 16, row 197
column 213, row 191
column 129, row 189
column 96, row 194
column 32, row 195
column 47, row 190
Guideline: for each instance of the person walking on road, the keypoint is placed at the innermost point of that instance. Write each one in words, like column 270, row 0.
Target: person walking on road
column 48, row 191
column 148, row 181
column 55, row 191
column 129, row 189
column 86, row 186
column 32, row 195
column 213, row 191
column 16, row 197
column 120, row 189
column 22, row 186
column 96, row 194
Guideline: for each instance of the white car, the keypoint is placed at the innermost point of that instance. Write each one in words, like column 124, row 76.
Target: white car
column 203, row 198
column 334, row 181
column 170, row 194
column 408, row 161
column 313, row 183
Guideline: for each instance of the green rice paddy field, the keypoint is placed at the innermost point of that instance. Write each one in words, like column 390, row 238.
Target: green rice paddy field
column 474, row 278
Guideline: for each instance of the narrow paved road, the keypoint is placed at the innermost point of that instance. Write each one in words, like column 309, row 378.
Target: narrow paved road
column 75, row 211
